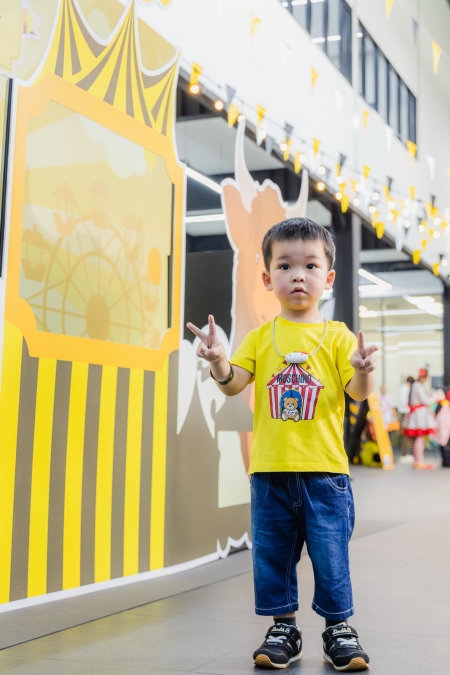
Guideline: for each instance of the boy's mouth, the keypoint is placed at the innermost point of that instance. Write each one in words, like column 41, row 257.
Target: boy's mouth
column 298, row 291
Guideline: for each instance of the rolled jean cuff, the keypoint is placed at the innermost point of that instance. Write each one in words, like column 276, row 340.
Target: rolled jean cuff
column 277, row 611
column 333, row 616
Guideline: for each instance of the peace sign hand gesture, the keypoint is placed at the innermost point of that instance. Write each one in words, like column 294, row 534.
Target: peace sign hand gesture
column 364, row 359
column 210, row 348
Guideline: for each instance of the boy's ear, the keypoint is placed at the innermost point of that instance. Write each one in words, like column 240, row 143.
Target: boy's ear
column 330, row 280
column 267, row 280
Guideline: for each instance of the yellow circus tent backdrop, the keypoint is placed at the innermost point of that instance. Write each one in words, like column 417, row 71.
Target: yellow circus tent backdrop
column 105, row 470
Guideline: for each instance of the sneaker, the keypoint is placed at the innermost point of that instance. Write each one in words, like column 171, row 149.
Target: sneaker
column 406, row 459
column 342, row 649
column 423, row 467
column 282, row 646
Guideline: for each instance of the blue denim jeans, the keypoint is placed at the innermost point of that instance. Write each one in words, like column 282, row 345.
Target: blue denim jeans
column 288, row 510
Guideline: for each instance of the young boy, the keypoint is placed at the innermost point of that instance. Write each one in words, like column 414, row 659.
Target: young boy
column 300, row 489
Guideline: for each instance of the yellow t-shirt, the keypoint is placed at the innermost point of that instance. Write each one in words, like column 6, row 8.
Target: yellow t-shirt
column 299, row 408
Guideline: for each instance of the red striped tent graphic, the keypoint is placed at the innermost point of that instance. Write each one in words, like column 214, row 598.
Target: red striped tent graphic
column 294, row 378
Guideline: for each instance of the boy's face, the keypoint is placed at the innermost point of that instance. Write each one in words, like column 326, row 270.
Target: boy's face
column 298, row 273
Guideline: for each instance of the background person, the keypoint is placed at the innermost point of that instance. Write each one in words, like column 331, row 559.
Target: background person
column 419, row 422
column 403, row 409
column 442, row 432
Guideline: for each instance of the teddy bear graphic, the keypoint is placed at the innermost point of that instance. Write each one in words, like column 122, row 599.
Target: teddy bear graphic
column 291, row 406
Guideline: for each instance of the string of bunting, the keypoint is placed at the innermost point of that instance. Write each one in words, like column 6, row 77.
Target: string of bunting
column 401, row 210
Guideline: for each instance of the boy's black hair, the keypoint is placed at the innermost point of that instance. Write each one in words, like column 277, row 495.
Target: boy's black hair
column 298, row 228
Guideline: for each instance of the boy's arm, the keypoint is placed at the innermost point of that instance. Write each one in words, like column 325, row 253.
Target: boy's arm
column 364, row 362
column 212, row 350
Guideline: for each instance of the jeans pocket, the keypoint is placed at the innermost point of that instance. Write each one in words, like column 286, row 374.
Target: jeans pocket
column 338, row 481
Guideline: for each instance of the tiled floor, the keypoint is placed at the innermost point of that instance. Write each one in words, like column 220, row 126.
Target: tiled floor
column 401, row 577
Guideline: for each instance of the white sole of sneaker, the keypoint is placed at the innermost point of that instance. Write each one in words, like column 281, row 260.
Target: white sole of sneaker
column 265, row 662
column 355, row 664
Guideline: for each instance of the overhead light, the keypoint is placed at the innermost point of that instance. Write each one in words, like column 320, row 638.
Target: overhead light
column 359, row 34
column 375, row 196
column 406, row 223
column 302, row 157
column 333, row 38
column 391, row 204
column 318, row 39
column 285, row 4
column 372, row 209
column 390, row 216
column 320, row 186
column 322, row 170
column 380, row 283
column 421, row 228
column 299, row 2
column 283, row 146
column 219, row 105
column 437, row 221
column 213, row 217
column 358, row 187
column 436, row 234
column 356, row 201
column 339, row 180
column 194, row 89
column 241, row 118
column 204, row 180
column 313, row 1
column 427, row 303
column 405, row 212
column 338, row 196
column 444, row 262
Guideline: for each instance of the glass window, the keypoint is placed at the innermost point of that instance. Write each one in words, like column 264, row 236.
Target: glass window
column 393, row 99
column 334, row 32
column 412, row 117
column 370, row 71
column 300, row 12
column 361, row 60
column 382, row 86
column 404, row 112
column 346, row 41
column 318, row 27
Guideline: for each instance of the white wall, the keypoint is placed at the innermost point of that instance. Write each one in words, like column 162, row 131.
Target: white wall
column 216, row 34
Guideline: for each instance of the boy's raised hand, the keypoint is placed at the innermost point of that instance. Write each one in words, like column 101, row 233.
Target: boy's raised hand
column 364, row 359
column 210, row 348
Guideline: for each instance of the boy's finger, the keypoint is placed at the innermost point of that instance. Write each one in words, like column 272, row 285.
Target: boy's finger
column 212, row 326
column 360, row 340
column 371, row 350
column 199, row 333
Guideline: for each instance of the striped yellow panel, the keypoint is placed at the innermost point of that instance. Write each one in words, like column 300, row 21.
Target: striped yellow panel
column 105, row 462
column 158, row 500
column 74, row 475
column 9, row 417
column 133, row 473
column 40, row 479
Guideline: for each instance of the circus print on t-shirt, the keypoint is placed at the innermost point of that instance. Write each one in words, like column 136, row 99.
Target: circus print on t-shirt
column 293, row 394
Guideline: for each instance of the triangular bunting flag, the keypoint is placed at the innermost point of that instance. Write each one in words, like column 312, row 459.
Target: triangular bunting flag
column 316, row 146
column 233, row 114
column 366, row 171
column 416, row 257
column 297, row 162
column 260, row 112
column 436, row 56
column 353, row 184
column 380, row 229
column 230, row 94
column 424, row 244
column 254, row 25
column 389, row 181
column 436, row 266
column 415, row 25
column 365, row 118
column 314, row 76
column 288, row 129
column 386, row 191
column 196, row 71
column 342, row 159
column 412, row 149
column 389, row 4
column 345, row 203
column 269, row 145
column 412, row 192
column 288, row 148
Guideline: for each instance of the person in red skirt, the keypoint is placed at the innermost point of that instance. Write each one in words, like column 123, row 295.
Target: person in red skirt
column 419, row 421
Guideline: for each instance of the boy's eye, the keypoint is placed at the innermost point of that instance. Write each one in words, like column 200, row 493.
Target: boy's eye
column 311, row 266
column 285, row 267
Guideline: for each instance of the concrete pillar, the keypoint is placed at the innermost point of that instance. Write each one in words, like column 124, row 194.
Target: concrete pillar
column 446, row 333
column 347, row 233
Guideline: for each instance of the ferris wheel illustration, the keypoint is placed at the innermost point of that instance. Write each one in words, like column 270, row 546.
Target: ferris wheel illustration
column 96, row 280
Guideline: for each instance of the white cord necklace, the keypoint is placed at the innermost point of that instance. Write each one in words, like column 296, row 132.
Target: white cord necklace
column 297, row 357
